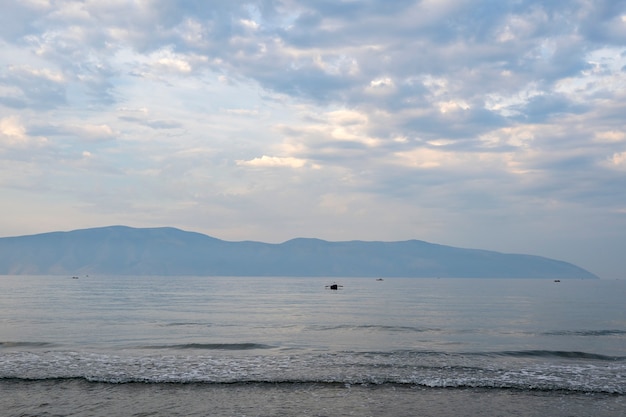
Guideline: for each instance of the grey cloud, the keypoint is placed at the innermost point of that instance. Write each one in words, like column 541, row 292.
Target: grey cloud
column 83, row 132
column 602, row 22
column 14, row 102
column 153, row 123
column 576, row 180
column 461, row 124
column 541, row 108
column 18, row 19
column 310, row 83
column 34, row 89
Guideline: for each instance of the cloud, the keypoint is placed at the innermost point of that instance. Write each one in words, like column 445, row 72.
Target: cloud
column 11, row 127
column 143, row 117
column 274, row 161
column 619, row 160
column 13, row 135
column 610, row 136
column 89, row 132
column 24, row 86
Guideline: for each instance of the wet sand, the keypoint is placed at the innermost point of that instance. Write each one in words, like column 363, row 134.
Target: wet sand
column 82, row 398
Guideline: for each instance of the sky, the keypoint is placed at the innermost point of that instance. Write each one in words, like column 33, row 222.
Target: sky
column 497, row 125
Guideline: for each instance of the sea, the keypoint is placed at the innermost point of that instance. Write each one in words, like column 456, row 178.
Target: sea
column 274, row 346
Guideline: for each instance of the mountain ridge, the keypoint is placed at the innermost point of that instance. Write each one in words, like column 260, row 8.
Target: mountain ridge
column 124, row 250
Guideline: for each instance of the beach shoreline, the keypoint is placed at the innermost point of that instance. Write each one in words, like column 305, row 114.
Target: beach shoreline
column 77, row 397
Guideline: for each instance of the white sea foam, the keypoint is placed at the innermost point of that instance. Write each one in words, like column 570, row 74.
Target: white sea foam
column 429, row 370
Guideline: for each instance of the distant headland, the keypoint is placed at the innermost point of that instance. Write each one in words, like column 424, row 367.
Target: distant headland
column 122, row 250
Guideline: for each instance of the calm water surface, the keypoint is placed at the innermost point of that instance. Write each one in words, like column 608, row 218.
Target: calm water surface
column 407, row 342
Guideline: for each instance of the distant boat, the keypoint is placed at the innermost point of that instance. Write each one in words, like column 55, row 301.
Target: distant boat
column 379, row 279
column 334, row 286
column 74, row 277
column 557, row 280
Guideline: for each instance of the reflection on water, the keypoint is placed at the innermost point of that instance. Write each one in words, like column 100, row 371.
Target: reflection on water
column 449, row 314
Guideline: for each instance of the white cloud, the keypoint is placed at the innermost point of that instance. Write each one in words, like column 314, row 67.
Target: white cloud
column 91, row 132
column 243, row 112
column 452, row 105
column 619, row 160
column 37, row 4
column 519, row 136
column 174, row 64
column 610, row 136
column 382, row 83
column 71, row 11
column 273, row 161
column 249, row 24
column 45, row 73
column 11, row 127
column 424, row 158
column 13, row 134
column 169, row 61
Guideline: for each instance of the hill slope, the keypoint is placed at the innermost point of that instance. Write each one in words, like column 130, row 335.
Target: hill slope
column 121, row 250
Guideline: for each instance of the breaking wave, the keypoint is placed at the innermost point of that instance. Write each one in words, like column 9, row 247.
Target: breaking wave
column 525, row 370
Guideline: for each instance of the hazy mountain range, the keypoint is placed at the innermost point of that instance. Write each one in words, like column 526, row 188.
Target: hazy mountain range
column 121, row 250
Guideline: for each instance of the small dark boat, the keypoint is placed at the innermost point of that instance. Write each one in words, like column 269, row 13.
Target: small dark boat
column 334, row 286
